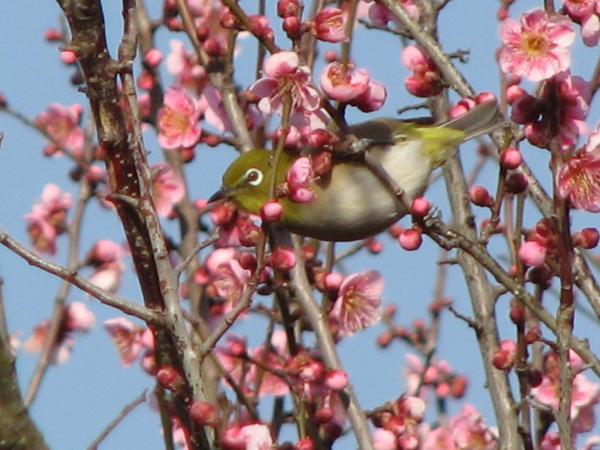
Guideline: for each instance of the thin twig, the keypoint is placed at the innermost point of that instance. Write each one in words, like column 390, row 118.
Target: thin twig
column 113, row 423
column 66, row 274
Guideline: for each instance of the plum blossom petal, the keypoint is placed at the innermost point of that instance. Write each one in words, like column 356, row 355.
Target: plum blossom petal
column 284, row 75
column 127, row 338
column 178, row 120
column 537, row 46
column 168, row 189
column 358, row 304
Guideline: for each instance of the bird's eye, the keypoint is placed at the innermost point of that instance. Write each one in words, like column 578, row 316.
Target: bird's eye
column 253, row 176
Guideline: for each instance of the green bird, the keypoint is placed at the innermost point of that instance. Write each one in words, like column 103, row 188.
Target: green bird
column 353, row 202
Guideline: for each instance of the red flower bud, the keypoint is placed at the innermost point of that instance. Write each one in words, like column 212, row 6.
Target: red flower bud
column 205, row 414
column 511, row 158
column 480, row 196
column 169, row 378
column 410, row 239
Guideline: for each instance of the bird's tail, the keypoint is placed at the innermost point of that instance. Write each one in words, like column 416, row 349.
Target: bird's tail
column 482, row 119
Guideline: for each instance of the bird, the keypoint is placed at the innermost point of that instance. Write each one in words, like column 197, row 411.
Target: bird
column 353, row 201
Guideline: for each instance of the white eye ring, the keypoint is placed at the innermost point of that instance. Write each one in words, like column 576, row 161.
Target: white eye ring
column 253, row 176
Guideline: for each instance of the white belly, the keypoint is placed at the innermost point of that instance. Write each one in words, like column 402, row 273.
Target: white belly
column 356, row 204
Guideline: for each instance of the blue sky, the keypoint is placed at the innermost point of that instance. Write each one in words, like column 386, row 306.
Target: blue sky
column 78, row 399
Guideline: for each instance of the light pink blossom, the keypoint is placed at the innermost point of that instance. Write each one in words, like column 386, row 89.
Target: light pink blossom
column 61, row 123
column 48, row 218
column 283, row 75
column 359, row 303
column 257, row 436
column 183, row 66
column 380, row 16
column 168, row 188
column 299, row 178
column 344, row 83
column 77, row 319
column 227, row 275
column 330, row 25
column 537, row 46
column 128, row 339
column 579, row 177
column 469, row 431
column 177, row 120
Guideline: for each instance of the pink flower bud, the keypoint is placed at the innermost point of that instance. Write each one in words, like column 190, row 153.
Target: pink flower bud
column 480, row 196
column 322, row 163
column 293, row 27
column 532, row 254
column 333, row 281
column 205, row 414
column 259, row 27
column 442, row 390
column 410, row 239
column 229, row 21
column 420, row 207
column 458, row 386
column 169, row 378
column 68, row 57
column 511, row 158
column 587, row 238
column 484, row 97
column 514, row 92
column 282, row 259
column 288, row 8
column 384, row 339
column 323, row 415
column 271, row 211
column 374, row 246
column 53, row 35
column 336, row 380
column 329, row 25
column 146, row 81
column 153, row 57
column 212, row 47
column 305, row 444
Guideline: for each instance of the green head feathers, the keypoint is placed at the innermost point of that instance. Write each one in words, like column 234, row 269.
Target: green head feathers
column 248, row 179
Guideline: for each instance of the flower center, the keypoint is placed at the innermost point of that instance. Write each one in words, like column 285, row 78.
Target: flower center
column 534, row 44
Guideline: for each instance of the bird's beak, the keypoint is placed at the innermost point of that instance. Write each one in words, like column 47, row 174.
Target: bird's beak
column 218, row 196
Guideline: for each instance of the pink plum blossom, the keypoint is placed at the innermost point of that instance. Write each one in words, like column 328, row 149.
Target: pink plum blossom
column 183, row 67
column 177, row 120
column 299, row 178
column 227, row 275
column 77, row 319
column 579, row 177
column 168, row 189
column 127, row 338
column 469, row 430
column 47, row 220
column 330, row 25
column 257, row 436
column 283, row 75
column 537, row 46
column 273, row 357
column 212, row 106
column 532, row 253
column 61, row 123
column 344, row 83
column 380, row 16
column 587, row 14
column 359, row 303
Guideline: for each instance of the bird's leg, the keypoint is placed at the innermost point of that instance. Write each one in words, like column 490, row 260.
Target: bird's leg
column 379, row 171
column 356, row 148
